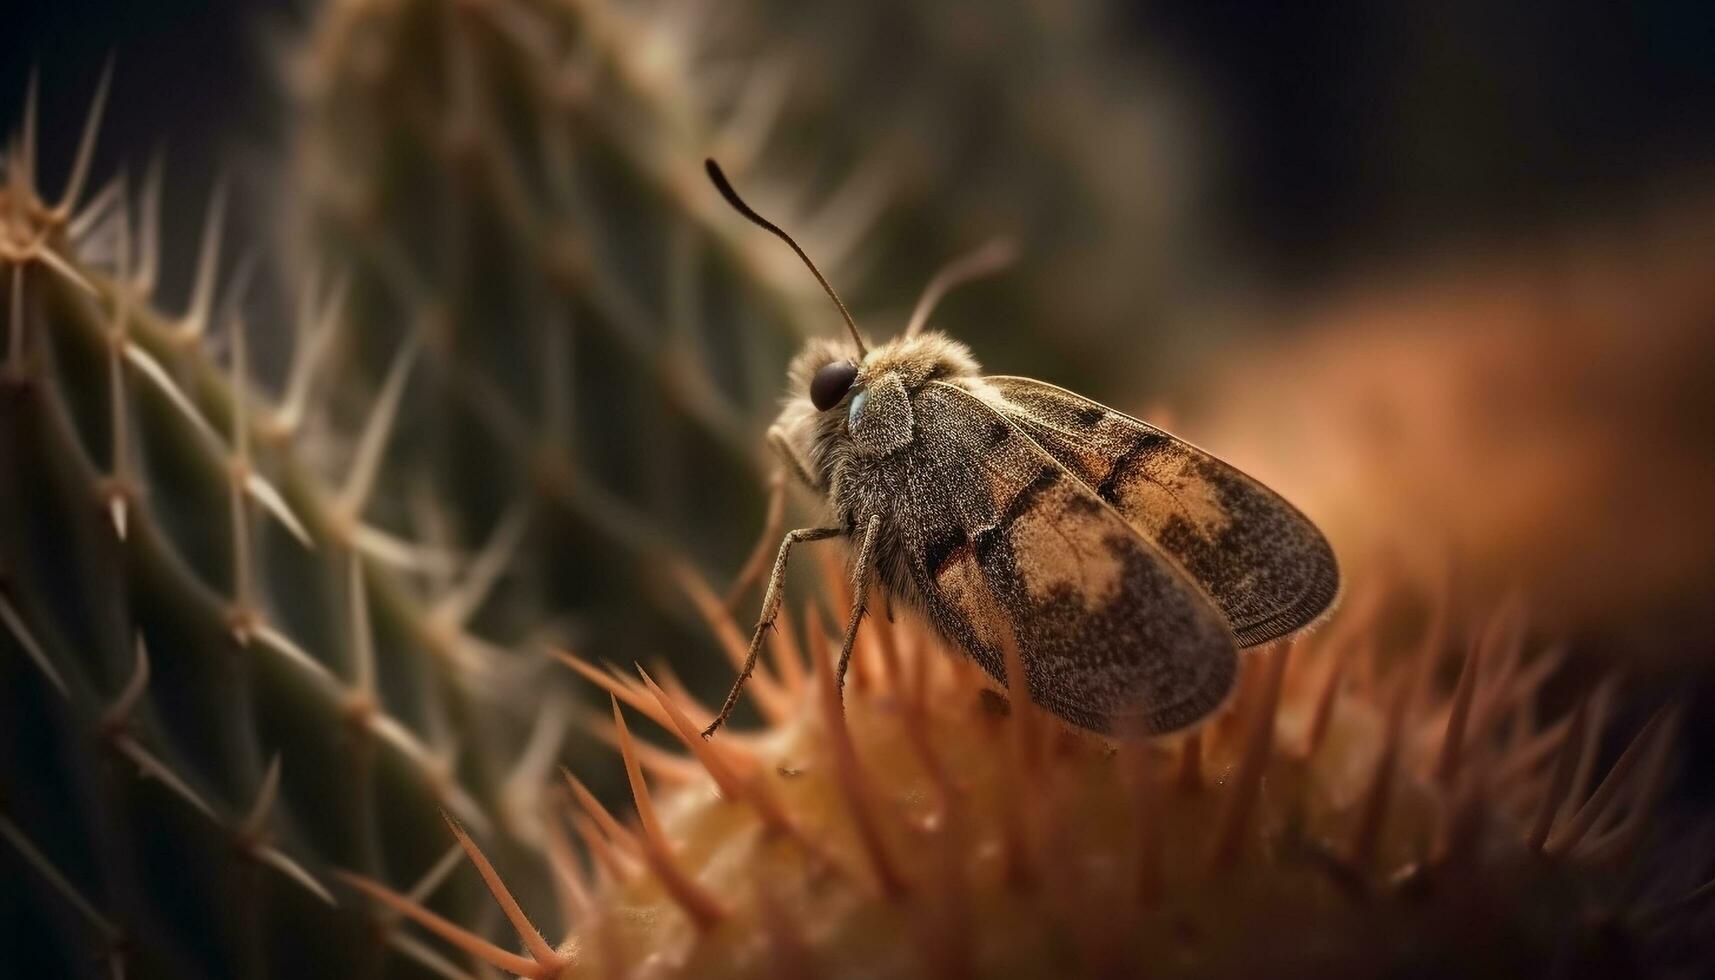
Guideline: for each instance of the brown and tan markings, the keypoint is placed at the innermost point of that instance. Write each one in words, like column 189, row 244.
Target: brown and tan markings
column 1124, row 566
column 997, row 539
column 1265, row 564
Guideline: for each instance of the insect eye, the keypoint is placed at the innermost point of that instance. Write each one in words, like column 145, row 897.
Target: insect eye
column 831, row 383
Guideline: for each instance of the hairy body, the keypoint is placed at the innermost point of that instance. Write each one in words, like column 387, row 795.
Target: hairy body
column 1125, row 566
column 1120, row 567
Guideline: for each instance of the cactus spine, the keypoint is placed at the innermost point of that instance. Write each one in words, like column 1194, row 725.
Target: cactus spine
column 1347, row 815
column 214, row 688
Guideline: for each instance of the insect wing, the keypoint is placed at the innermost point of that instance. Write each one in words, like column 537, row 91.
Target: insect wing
column 1002, row 541
column 1263, row 562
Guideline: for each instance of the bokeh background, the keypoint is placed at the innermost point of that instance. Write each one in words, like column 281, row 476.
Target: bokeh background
column 1439, row 268
column 1440, row 272
column 1317, row 137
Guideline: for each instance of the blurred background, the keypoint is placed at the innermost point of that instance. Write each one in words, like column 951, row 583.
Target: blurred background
column 1311, row 139
column 1457, row 250
column 1442, row 273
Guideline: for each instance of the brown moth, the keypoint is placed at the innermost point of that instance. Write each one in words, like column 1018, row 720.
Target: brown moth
column 1125, row 566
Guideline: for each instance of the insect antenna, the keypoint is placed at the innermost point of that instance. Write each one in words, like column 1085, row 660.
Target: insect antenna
column 732, row 198
column 996, row 255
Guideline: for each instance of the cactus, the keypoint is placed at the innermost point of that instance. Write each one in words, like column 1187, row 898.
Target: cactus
column 525, row 174
column 1348, row 814
column 255, row 631
column 212, row 690
column 594, row 348
column 241, row 596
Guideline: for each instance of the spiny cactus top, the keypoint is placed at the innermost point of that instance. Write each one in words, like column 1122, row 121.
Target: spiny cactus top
column 1342, row 817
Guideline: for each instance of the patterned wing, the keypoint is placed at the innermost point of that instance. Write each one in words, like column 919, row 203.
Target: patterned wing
column 1265, row 564
column 1000, row 540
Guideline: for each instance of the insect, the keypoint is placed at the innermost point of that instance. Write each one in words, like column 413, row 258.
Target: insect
column 1125, row 567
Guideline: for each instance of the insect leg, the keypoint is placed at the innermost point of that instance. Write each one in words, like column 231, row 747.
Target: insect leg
column 758, row 560
column 860, row 595
column 770, row 608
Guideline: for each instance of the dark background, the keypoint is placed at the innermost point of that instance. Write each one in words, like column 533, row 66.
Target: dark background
column 1353, row 126
column 1340, row 129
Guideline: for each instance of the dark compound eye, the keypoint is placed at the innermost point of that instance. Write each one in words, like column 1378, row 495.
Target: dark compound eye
column 831, row 383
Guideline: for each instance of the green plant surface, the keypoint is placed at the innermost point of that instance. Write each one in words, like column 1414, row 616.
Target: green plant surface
column 214, row 690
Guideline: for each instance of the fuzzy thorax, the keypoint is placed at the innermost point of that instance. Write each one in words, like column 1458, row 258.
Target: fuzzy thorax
column 887, row 377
